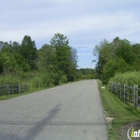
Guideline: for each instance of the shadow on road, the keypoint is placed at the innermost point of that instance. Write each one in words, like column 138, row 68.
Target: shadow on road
column 35, row 130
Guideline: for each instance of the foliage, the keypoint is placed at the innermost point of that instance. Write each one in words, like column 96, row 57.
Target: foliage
column 63, row 79
column 8, row 62
column 124, row 51
column 120, row 112
column 129, row 78
column 59, row 40
column 112, row 67
column 51, row 65
column 47, row 58
column 9, row 79
column 66, row 56
column 116, row 56
column 29, row 52
column 87, row 73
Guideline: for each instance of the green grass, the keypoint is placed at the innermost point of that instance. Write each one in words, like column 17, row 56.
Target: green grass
column 117, row 109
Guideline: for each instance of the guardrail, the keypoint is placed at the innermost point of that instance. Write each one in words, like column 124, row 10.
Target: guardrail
column 13, row 89
column 126, row 93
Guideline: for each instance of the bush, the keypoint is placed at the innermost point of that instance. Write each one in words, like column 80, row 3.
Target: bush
column 112, row 67
column 63, row 79
column 129, row 78
column 47, row 79
column 35, row 83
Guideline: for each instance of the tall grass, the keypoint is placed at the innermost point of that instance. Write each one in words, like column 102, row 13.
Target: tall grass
column 129, row 78
column 35, row 79
column 9, row 79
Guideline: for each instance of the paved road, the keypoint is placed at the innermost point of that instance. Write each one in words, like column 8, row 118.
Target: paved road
column 69, row 112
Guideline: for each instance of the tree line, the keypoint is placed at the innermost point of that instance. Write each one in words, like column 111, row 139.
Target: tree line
column 52, row 64
column 118, row 56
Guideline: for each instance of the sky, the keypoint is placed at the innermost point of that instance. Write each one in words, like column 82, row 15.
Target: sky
column 85, row 22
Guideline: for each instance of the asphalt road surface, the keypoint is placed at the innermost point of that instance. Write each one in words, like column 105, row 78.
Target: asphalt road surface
column 68, row 112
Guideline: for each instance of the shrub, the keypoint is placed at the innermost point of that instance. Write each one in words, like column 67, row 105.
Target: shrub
column 112, row 67
column 63, row 79
column 129, row 78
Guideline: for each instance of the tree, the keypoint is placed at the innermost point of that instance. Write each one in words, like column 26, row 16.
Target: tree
column 29, row 52
column 112, row 67
column 73, row 64
column 8, row 63
column 1, row 63
column 73, row 57
column 88, row 73
column 116, row 54
column 47, row 58
column 47, row 63
column 124, row 51
column 104, row 52
column 66, row 56
column 15, row 47
column 7, row 60
column 63, row 58
column 20, row 60
column 59, row 40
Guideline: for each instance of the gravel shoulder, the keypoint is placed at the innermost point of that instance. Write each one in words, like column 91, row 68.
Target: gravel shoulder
column 68, row 112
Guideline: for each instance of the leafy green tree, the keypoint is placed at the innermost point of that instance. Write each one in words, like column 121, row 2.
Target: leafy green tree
column 112, row 67
column 47, row 58
column 59, row 40
column 2, row 44
column 124, row 51
column 104, row 52
column 20, row 60
column 73, row 57
column 1, row 63
column 13, row 50
column 29, row 52
column 22, row 63
column 136, row 52
column 47, row 63
column 51, row 65
column 63, row 58
column 88, row 73
column 15, row 47
column 73, row 64
column 66, row 56
column 116, row 54
column 8, row 62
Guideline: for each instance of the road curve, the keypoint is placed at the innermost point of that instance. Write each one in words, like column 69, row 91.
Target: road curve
column 68, row 112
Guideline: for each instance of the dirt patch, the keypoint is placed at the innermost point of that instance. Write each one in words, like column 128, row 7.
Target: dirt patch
column 123, row 130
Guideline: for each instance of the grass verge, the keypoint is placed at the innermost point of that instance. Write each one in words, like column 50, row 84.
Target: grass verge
column 117, row 109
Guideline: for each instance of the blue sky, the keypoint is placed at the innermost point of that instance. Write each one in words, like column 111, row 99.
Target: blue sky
column 85, row 22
